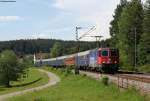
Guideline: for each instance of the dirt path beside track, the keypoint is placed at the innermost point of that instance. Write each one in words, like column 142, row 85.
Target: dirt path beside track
column 53, row 79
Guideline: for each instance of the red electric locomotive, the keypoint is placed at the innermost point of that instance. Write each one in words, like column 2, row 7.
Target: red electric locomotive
column 108, row 59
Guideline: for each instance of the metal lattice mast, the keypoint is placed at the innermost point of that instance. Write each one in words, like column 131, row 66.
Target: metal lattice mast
column 77, row 39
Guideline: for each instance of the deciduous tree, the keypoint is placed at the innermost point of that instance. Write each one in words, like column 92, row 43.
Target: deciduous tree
column 10, row 67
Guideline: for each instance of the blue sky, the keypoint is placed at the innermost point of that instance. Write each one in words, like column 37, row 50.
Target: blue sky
column 28, row 19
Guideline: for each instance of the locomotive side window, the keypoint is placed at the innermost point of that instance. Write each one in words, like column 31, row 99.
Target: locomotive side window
column 114, row 52
column 104, row 53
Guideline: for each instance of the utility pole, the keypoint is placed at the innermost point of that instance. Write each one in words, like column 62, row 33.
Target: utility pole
column 135, row 47
column 98, row 38
column 77, row 67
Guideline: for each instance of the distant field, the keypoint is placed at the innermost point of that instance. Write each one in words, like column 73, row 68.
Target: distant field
column 35, row 78
column 80, row 88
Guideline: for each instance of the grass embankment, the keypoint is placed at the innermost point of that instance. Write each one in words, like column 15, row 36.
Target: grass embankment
column 80, row 88
column 35, row 78
column 145, row 68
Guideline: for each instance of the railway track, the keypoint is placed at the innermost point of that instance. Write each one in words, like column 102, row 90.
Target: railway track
column 137, row 77
column 132, row 72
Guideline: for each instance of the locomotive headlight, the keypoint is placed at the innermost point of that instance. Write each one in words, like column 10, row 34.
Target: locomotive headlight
column 115, row 61
column 109, row 60
column 103, row 61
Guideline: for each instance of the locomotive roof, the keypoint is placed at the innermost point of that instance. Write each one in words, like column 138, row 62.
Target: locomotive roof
column 106, row 48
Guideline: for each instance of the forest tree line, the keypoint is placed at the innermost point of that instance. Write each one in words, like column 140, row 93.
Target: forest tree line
column 130, row 33
column 34, row 46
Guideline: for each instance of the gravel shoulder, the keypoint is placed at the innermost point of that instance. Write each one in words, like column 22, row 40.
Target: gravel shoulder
column 53, row 79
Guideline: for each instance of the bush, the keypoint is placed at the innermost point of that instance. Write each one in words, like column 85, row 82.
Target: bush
column 84, row 75
column 67, row 71
column 105, row 80
column 52, row 68
column 145, row 68
column 62, row 70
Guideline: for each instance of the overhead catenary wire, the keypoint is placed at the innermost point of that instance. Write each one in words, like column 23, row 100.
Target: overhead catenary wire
column 88, row 32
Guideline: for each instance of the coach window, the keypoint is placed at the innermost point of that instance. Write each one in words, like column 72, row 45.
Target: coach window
column 104, row 53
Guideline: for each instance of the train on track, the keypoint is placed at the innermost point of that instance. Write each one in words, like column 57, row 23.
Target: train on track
column 100, row 59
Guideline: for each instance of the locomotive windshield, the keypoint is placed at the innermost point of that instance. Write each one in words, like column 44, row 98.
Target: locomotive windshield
column 104, row 52
column 114, row 52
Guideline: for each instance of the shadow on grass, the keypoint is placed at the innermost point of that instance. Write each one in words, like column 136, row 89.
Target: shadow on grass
column 4, row 88
column 26, row 84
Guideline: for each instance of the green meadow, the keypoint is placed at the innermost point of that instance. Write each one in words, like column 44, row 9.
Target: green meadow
column 34, row 78
column 80, row 88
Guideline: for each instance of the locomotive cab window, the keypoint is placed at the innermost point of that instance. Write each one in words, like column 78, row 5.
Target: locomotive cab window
column 104, row 53
column 114, row 52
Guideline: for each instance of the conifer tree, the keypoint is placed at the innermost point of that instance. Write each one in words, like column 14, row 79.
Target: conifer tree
column 56, row 50
column 130, row 28
column 114, row 29
column 144, row 47
column 10, row 68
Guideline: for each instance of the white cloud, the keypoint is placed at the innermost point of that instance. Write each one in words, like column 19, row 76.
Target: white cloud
column 92, row 12
column 9, row 18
